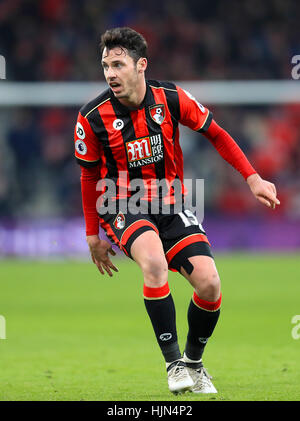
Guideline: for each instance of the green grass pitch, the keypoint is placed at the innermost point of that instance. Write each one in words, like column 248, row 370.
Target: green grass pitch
column 72, row 334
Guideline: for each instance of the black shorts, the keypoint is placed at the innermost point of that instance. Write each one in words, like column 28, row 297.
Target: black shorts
column 181, row 234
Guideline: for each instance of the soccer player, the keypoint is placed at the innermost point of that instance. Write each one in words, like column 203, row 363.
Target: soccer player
column 130, row 132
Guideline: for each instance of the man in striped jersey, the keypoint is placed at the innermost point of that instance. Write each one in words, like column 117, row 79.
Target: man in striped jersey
column 129, row 133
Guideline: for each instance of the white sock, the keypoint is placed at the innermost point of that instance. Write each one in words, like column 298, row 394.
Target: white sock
column 168, row 364
column 188, row 360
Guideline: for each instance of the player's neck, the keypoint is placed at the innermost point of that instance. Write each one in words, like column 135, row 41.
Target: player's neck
column 137, row 97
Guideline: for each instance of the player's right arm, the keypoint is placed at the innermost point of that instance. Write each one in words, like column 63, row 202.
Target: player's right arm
column 99, row 250
column 88, row 156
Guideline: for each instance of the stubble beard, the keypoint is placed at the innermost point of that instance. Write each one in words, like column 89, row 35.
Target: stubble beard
column 129, row 93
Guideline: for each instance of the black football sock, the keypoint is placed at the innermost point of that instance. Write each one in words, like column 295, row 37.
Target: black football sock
column 202, row 319
column 161, row 310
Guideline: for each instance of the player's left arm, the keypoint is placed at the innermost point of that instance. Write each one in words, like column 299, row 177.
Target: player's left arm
column 263, row 190
column 199, row 118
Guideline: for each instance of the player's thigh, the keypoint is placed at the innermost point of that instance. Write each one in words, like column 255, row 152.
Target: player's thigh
column 183, row 237
column 188, row 252
column 147, row 250
column 123, row 228
column 138, row 237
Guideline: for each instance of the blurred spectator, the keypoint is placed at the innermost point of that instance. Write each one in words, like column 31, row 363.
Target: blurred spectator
column 23, row 139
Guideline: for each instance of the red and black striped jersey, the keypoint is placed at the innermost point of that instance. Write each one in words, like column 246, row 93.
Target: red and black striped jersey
column 141, row 143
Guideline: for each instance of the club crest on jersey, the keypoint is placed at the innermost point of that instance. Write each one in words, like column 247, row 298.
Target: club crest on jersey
column 119, row 222
column 157, row 113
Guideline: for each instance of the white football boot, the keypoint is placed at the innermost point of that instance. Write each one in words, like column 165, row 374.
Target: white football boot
column 200, row 376
column 179, row 379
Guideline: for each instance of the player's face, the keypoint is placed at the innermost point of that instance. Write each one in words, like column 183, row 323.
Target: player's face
column 121, row 72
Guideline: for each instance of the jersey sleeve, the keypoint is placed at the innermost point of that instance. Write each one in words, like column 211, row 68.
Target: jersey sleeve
column 87, row 145
column 193, row 114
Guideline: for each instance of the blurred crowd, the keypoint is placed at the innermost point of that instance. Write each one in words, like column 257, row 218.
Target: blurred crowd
column 57, row 40
column 188, row 40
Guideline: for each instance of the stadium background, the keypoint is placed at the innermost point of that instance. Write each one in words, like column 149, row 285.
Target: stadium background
column 57, row 41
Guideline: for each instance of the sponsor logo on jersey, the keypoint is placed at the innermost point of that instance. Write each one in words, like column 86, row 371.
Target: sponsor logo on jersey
column 119, row 222
column 145, row 150
column 157, row 113
column 118, row 124
column 80, row 147
column 80, row 131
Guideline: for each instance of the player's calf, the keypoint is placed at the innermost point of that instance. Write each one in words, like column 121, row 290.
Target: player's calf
column 161, row 310
column 203, row 316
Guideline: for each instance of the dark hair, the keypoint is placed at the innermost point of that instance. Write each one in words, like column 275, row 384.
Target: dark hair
column 134, row 42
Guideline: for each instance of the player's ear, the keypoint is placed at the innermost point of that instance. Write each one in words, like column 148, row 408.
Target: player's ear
column 142, row 64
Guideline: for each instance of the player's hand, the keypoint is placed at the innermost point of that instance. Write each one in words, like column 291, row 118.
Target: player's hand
column 264, row 191
column 99, row 250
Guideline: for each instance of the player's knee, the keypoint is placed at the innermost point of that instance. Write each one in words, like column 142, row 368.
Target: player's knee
column 208, row 286
column 155, row 270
